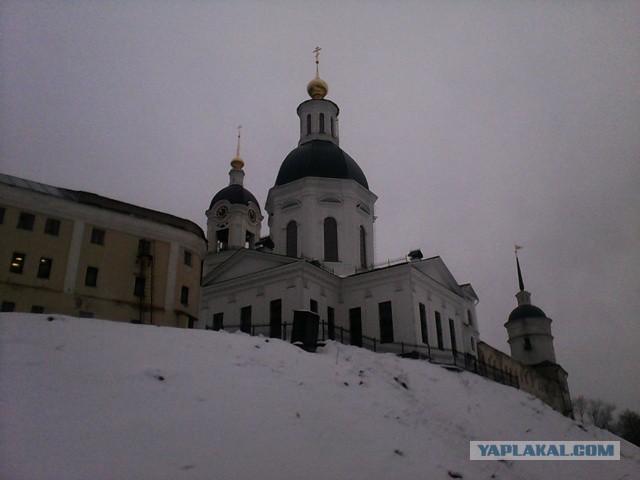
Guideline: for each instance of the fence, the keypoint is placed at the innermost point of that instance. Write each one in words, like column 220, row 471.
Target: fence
column 438, row 356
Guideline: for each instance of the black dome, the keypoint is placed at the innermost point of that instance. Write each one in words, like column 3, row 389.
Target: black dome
column 319, row 158
column 235, row 194
column 526, row 311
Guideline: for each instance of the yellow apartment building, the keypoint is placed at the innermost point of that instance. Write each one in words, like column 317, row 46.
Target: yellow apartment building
column 78, row 253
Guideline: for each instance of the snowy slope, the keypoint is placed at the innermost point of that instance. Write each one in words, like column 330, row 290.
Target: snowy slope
column 92, row 399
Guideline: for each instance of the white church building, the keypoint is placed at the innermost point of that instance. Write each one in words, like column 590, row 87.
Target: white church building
column 319, row 257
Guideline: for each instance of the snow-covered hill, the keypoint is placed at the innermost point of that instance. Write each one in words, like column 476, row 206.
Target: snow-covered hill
column 92, row 399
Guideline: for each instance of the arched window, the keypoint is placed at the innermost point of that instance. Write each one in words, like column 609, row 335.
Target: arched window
column 363, row 247
column 322, row 123
column 292, row 239
column 330, row 240
column 308, row 124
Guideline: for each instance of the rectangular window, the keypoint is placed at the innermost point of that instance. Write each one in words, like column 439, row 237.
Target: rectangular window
column 245, row 319
column 469, row 317
column 91, row 277
column 331, row 323
column 44, row 267
column 386, row 322
column 423, row 324
column 452, row 333
column 355, row 326
column 144, row 248
column 218, row 321
column 26, row 221
column 139, row 286
column 313, row 306
column 52, row 226
column 7, row 307
column 187, row 258
column 439, row 331
column 17, row 262
column 275, row 318
column 2, row 210
column 97, row 236
column 184, row 295
column 37, row 309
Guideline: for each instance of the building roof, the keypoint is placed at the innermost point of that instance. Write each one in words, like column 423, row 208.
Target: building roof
column 97, row 201
column 235, row 193
column 526, row 311
column 319, row 158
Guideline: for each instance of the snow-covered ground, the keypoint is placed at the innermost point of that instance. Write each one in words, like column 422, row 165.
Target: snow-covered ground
column 92, row 399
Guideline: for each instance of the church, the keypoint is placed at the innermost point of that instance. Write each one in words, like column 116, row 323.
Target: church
column 318, row 257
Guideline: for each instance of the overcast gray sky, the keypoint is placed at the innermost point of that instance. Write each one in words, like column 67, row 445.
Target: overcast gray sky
column 478, row 125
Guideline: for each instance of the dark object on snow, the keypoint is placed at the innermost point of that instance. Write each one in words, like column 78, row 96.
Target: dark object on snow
column 454, row 474
column 50, row 319
column 160, row 377
column 305, row 330
column 400, row 453
column 404, row 385
column 415, row 255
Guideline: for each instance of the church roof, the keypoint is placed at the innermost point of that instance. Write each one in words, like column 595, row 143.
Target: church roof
column 526, row 311
column 235, row 194
column 319, row 158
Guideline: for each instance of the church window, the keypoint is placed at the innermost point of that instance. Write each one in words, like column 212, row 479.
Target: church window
column 218, row 321
column 473, row 345
column 222, row 239
column 333, row 131
column 469, row 317
column 439, row 331
column 292, row 239
column 330, row 240
column 452, row 333
column 187, row 258
column 249, row 240
column 313, row 305
column 322, row 123
column 386, row 322
column 245, row 319
column 275, row 318
column 363, row 247
column 527, row 344
column 423, row 324
column 331, row 323
column 308, row 124
column 355, row 326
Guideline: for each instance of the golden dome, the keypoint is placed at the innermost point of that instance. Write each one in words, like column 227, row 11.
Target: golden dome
column 317, row 88
column 237, row 163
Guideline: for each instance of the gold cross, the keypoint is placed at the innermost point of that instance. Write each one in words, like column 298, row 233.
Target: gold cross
column 239, row 134
column 317, row 52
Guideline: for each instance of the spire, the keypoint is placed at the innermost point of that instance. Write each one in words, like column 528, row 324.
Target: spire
column 317, row 88
column 524, row 297
column 520, row 281
column 236, row 174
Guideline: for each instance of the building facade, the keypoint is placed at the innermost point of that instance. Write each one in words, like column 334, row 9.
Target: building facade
column 319, row 257
column 77, row 253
